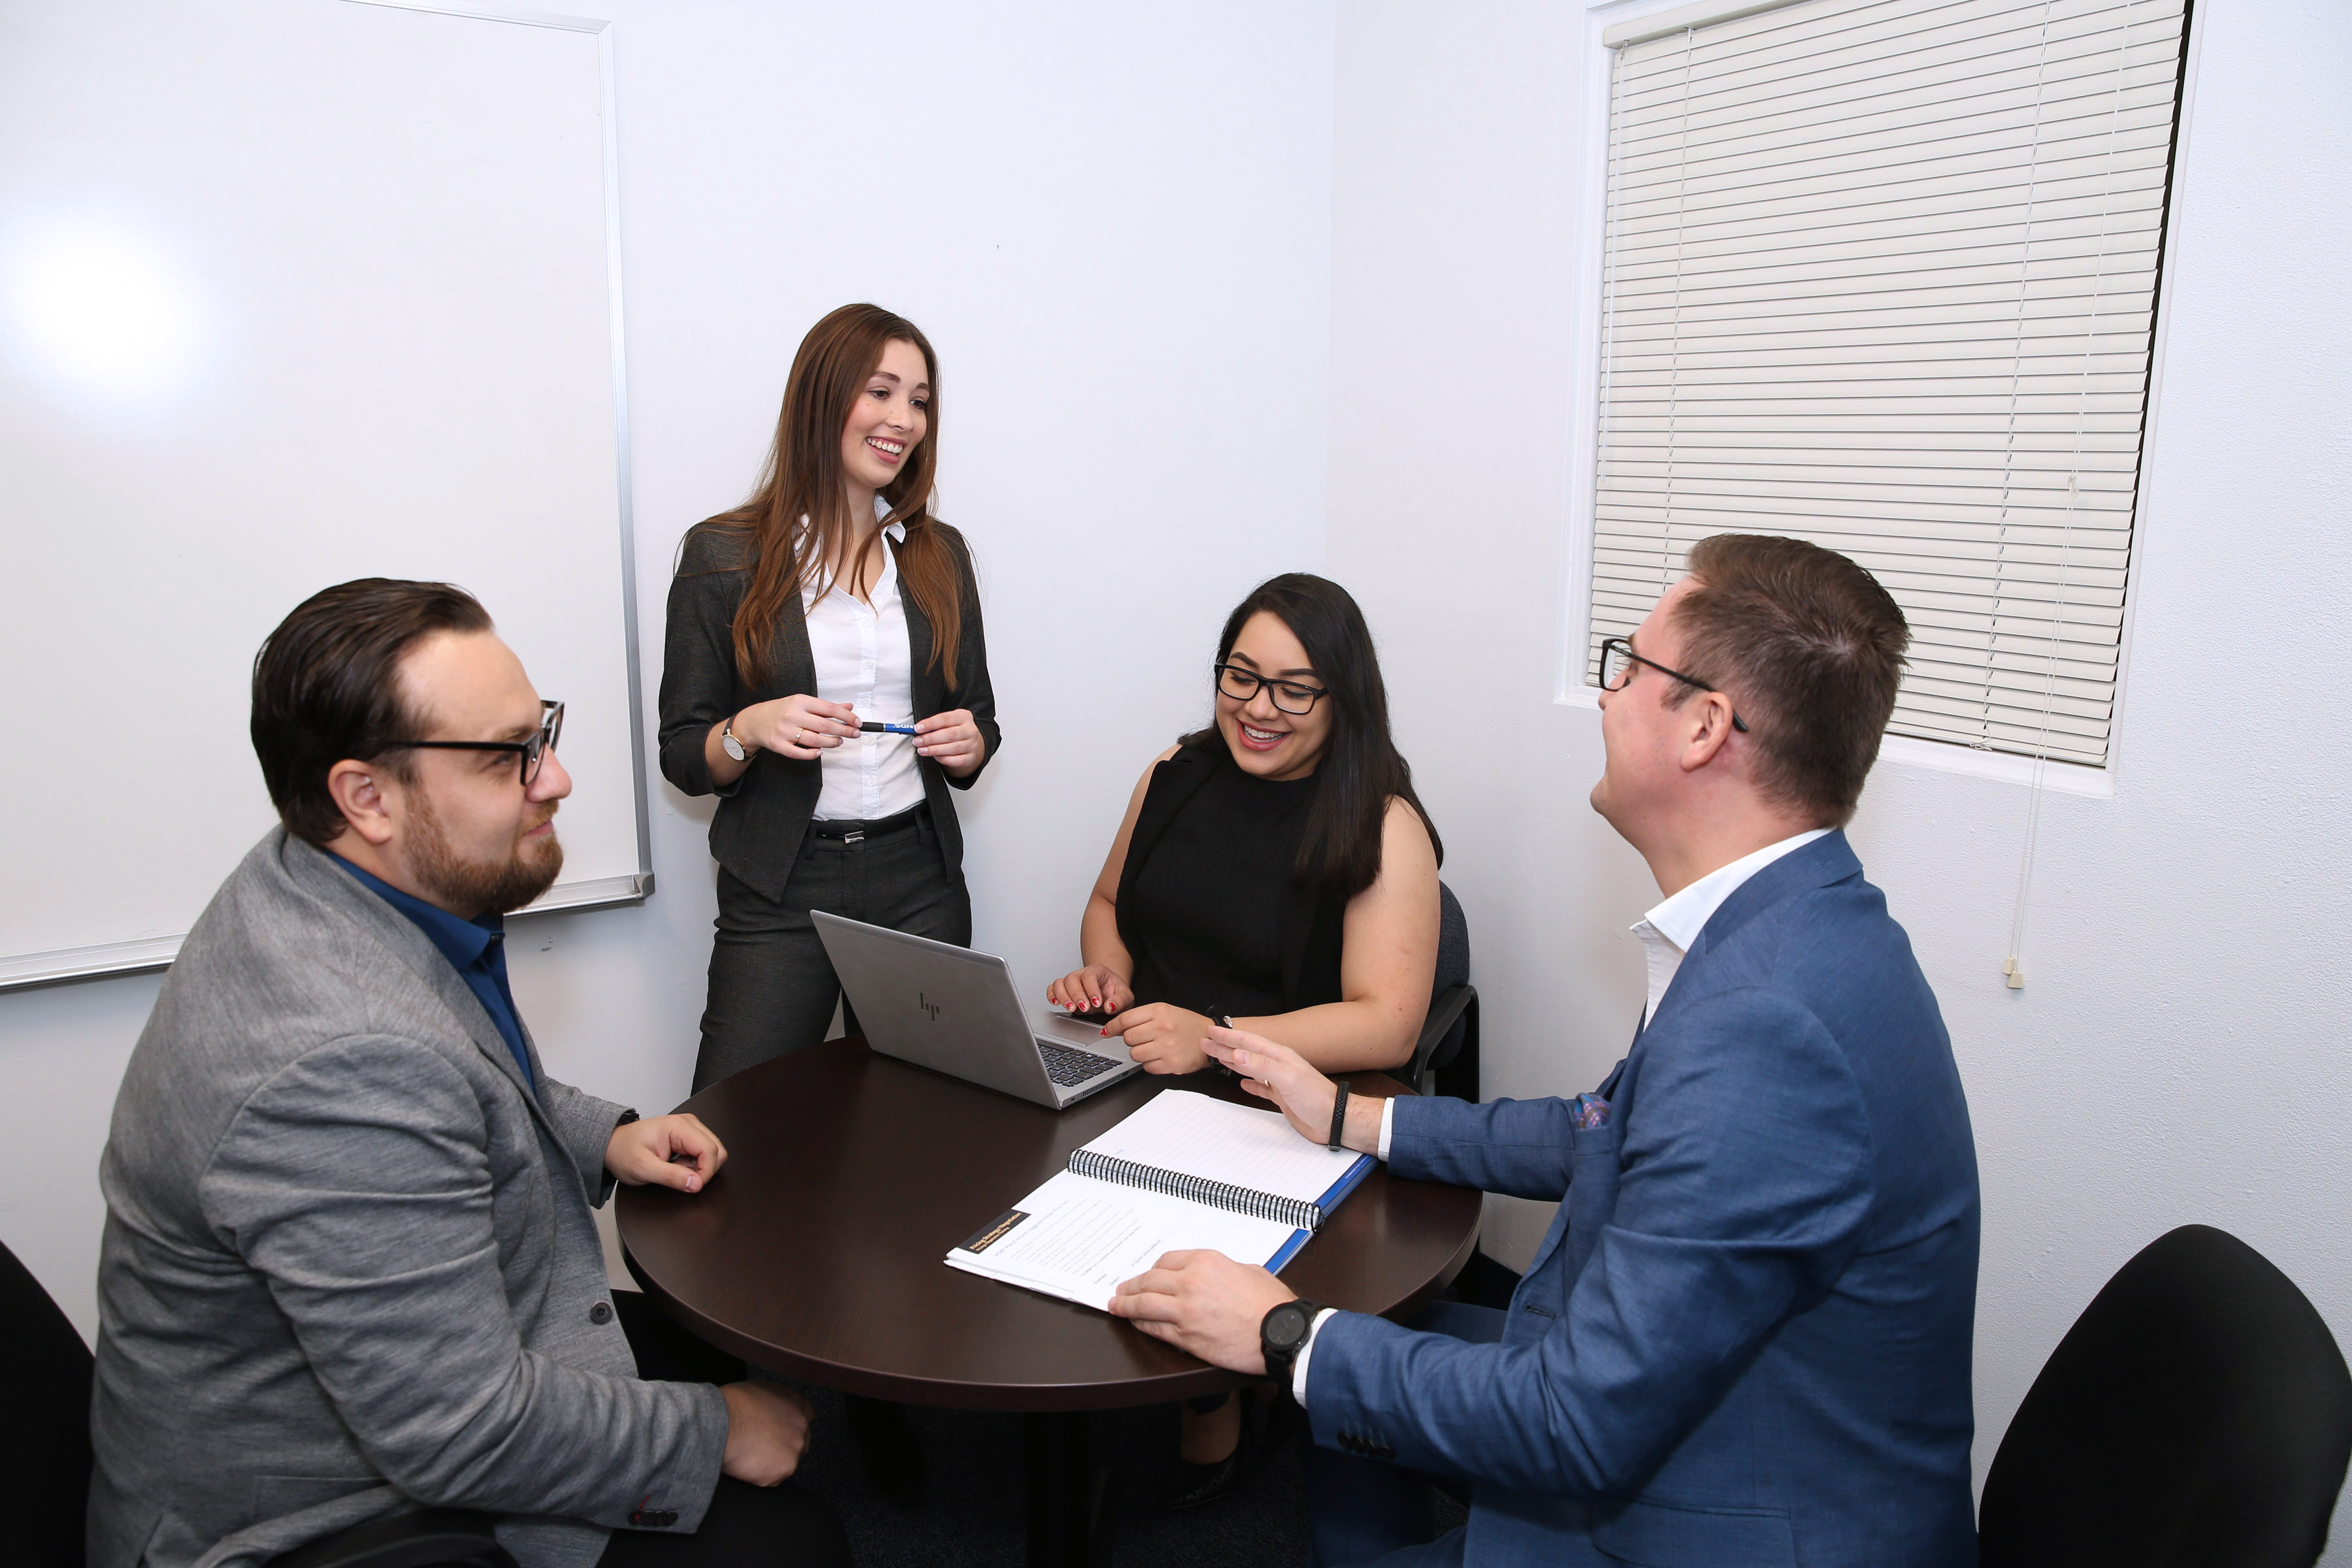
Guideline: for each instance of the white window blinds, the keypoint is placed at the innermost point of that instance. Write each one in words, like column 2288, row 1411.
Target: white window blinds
column 1882, row 274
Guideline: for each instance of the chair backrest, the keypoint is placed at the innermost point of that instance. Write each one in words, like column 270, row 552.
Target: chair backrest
column 2198, row 1412
column 43, row 1423
column 1452, row 942
column 1445, row 1057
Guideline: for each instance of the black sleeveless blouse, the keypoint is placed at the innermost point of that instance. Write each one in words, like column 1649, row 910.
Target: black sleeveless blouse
column 1207, row 905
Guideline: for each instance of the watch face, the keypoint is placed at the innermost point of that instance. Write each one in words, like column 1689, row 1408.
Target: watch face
column 730, row 745
column 1287, row 1326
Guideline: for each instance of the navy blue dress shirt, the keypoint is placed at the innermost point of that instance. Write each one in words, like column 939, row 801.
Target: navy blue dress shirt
column 476, row 949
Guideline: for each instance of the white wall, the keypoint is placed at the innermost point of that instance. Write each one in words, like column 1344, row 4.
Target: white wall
column 1114, row 224
column 1176, row 306
column 2179, row 1053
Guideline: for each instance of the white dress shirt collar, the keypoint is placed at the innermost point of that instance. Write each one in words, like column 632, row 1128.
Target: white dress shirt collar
column 1668, row 929
column 820, row 585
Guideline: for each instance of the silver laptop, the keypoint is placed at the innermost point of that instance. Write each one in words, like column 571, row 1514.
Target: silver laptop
column 958, row 1012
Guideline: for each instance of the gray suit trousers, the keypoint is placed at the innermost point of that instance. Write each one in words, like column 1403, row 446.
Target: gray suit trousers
column 773, row 989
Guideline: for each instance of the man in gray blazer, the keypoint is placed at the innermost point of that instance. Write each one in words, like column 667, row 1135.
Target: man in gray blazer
column 349, row 1266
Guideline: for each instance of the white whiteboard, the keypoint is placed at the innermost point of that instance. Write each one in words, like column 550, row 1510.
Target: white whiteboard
column 292, row 291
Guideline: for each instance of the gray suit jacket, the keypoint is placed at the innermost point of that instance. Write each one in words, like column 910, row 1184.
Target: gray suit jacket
column 348, row 1264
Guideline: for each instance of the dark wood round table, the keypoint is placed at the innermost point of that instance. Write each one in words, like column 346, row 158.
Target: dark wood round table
column 817, row 1251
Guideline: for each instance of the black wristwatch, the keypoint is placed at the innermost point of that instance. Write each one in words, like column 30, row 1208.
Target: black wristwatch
column 1282, row 1334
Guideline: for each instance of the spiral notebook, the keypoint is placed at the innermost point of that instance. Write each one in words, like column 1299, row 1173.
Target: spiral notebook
column 1184, row 1172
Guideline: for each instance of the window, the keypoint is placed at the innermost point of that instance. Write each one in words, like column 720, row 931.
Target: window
column 1882, row 274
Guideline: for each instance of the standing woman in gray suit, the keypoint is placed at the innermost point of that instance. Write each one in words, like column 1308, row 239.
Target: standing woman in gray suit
column 832, row 599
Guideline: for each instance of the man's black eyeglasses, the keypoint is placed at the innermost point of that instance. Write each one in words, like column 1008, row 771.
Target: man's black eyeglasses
column 1618, row 659
column 1242, row 685
column 532, row 752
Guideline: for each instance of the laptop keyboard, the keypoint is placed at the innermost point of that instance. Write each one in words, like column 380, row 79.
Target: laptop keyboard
column 1071, row 1068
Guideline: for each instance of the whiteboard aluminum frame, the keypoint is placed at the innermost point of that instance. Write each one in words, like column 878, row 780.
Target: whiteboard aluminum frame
column 146, row 954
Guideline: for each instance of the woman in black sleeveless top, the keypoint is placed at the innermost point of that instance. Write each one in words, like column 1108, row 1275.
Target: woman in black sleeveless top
column 1209, row 910
column 1276, row 869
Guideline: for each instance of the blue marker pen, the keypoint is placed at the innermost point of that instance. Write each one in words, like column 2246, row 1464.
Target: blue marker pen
column 870, row 728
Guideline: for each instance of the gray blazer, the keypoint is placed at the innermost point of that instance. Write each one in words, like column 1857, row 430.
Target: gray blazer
column 348, row 1264
column 765, row 813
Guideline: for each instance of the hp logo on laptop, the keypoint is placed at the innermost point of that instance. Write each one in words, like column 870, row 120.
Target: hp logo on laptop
column 929, row 1007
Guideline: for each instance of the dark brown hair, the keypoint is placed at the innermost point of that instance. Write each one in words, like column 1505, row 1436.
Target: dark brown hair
column 1360, row 770
column 1809, row 647
column 802, row 479
column 326, row 685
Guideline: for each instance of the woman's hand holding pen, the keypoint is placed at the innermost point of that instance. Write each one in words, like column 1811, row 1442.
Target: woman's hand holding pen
column 799, row 726
column 1161, row 1037
column 952, row 740
column 1097, row 988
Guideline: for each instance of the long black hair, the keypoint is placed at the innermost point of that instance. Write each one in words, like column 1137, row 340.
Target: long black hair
column 1360, row 770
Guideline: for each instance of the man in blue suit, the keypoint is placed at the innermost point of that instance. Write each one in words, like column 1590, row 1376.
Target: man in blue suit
column 1746, row 1339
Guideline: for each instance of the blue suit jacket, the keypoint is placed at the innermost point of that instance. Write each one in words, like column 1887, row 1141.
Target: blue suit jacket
column 1746, row 1339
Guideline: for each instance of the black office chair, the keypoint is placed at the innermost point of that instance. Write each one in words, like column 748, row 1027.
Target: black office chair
column 2198, row 1415
column 1445, row 1061
column 45, row 1452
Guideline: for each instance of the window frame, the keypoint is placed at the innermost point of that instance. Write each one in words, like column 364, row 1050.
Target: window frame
column 1584, row 275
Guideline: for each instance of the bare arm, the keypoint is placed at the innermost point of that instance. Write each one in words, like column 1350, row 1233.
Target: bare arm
column 1388, row 960
column 1107, row 979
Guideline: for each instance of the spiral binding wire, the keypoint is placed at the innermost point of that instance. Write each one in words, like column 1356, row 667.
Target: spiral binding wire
column 1299, row 1214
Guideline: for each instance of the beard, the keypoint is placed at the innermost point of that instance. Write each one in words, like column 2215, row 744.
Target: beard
column 494, row 887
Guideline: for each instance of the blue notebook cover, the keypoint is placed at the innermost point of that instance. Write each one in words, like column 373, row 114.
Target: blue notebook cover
column 1298, row 1239
column 1326, row 1203
column 1346, row 1184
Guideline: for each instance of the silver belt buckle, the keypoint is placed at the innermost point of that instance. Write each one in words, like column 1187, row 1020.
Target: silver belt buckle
column 856, row 838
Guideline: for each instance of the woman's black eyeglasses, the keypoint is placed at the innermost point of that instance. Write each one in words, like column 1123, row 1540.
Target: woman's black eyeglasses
column 1618, row 659
column 532, row 752
column 1290, row 696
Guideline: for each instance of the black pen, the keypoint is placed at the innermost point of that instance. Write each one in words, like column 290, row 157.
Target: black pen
column 1222, row 1021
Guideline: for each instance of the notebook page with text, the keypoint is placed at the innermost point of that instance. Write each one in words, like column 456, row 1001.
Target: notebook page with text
column 1077, row 1238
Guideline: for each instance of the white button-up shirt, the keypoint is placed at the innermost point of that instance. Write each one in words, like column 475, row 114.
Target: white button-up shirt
column 863, row 658
column 1666, row 933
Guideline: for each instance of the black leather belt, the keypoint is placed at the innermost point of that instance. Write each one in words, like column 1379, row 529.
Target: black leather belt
column 906, row 821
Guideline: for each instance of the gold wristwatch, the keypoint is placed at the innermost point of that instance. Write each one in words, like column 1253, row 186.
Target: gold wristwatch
column 729, row 744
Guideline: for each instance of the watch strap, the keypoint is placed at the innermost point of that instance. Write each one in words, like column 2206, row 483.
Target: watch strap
column 1339, row 1117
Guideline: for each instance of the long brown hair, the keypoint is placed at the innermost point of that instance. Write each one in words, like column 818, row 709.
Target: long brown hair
column 802, row 478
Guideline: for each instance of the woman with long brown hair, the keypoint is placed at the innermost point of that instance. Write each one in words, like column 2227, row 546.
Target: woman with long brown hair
column 828, row 605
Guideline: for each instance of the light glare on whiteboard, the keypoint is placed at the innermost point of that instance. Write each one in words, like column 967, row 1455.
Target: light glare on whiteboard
column 103, row 310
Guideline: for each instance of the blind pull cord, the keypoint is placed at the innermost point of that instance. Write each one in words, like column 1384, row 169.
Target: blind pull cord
column 2012, row 969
